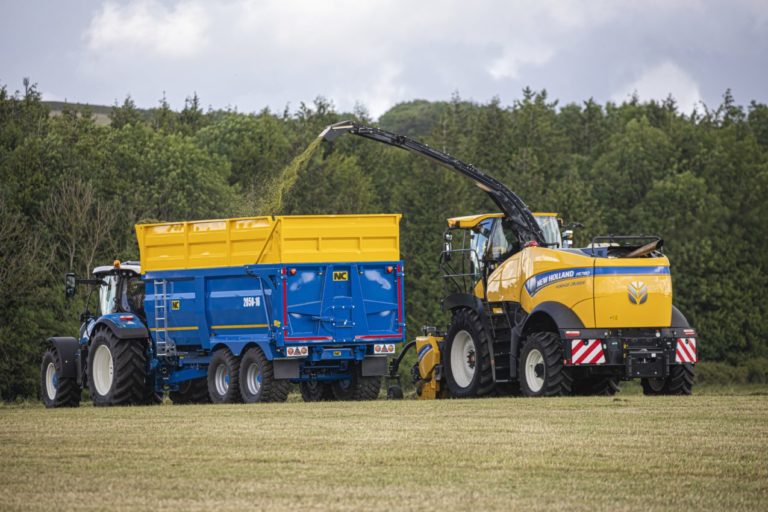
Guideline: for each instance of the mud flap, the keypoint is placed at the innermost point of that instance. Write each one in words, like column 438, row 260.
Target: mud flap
column 286, row 368
column 374, row 366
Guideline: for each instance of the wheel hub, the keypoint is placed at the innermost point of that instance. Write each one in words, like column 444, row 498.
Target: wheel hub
column 103, row 370
column 253, row 379
column 463, row 359
column 535, row 372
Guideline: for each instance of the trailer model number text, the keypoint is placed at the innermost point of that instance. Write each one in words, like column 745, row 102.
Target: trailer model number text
column 251, row 302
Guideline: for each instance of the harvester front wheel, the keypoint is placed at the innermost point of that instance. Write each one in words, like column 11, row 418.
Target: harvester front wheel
column 191, row 392
column 679, row 382
column 541, row 370
column 314, row 391
column 57, row 391
column 467, row 360
column 257, row 379
column 117, row 372
column 224, row 377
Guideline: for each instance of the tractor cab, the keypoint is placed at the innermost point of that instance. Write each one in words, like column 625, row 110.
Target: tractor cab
column 122, row 290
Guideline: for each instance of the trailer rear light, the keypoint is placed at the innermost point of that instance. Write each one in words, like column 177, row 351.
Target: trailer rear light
column 389, row 269
column 300, row 351
column 293, row 271
column 384, row 348
column 572, row 334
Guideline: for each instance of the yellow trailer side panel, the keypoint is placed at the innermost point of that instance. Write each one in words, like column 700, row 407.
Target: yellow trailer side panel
column 252, row 240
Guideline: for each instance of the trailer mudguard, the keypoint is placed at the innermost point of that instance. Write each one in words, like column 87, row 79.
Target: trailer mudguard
column 69, row 353
column 122, row 326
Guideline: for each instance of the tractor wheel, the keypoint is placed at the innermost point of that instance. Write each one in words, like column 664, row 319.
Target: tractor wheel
column 314, row 391
column 467, row 360
column 57, row 391
column 357, row 387
column 257, row 379
column 224, row 377
column 191, row 392
column 679, row 382
column 596, row 386
column 116, row 370
column 541, row 366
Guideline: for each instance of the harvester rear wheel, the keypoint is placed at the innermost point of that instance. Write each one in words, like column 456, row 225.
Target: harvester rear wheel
column 357, row 387
column 191, row 392
column 57, row 391
column 600, row 386
column 679, row 382
column 224, row 377
column 257, row 379
column 467, row 360
column 117, row 370
column 541, row 370
column 314, row 391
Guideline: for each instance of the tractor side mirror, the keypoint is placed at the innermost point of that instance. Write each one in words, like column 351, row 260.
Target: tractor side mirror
column 447, row 247
column 70, row 285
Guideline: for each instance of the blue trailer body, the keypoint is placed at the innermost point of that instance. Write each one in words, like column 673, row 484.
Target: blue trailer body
column 313, row 321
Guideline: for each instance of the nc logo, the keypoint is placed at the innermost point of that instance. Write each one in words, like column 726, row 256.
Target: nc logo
column 638, row 292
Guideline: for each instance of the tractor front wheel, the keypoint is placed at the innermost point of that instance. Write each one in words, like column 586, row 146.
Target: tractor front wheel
column 357, row 387
column 467, row 359
column 57, row 391
column 314, row 391
column 191, row 392
column 541, row 370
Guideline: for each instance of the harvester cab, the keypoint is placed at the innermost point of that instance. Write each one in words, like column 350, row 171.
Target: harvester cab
column 530, row 312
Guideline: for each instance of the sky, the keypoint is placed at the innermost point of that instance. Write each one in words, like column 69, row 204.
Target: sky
column 252, row 54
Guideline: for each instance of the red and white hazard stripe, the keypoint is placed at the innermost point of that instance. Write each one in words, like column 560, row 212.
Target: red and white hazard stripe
column 685, row 352
column 587, row 352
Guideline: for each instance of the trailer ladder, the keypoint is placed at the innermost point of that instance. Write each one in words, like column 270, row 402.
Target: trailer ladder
column 164, row 345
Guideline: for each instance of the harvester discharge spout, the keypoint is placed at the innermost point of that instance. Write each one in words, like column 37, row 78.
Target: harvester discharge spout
column 513, row 207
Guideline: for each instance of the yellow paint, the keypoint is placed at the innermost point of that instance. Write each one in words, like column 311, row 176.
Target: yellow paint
column 286, row 239
column 470, row 221
column 428, row 387
column 189, row 328
column 544, row 214
column 240, row 326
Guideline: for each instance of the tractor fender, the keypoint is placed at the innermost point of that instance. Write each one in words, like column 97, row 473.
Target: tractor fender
column 123, row 329
column 678, row 319
column 69, row 354
column 463, row 300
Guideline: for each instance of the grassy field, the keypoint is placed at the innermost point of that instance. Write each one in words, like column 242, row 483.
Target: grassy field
column 625, row 453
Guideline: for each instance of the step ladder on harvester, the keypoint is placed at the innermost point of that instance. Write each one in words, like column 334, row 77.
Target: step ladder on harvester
column 165, row 346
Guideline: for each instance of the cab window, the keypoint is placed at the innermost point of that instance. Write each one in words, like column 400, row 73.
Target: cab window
column 107, row 294
column 504, row 241
column 479, row 244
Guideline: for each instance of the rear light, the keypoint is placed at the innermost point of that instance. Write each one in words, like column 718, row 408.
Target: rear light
column 572, row 334
column 126, row 317
column 293, row 271
column 384, row 348
column 300, row 351
column 389, row 269
column 532, row 243
column 689, row 332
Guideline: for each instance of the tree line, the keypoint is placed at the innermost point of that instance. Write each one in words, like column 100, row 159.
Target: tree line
column 71, row 191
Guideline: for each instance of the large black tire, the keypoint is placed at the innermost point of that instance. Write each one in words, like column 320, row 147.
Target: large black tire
column 257, row 379
column 679, row 382
column 57, row 391
column 224, row 377
column 596, row 386
column 314, row 391
column 191, row 392
column 466, row 357
column 541, row 368
column 151, row 395
column 128, row 359
column 357, row 387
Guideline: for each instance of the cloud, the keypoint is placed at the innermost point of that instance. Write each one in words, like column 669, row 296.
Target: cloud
column 149, row 27
column 660, row 81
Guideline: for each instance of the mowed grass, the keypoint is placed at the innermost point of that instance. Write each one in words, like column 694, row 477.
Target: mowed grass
column 608, row 453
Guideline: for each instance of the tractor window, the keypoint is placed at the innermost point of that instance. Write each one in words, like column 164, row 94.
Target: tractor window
column 551, row 229
column 107, row 294
column 134, row 295
column 504, row 241
column 479, row 244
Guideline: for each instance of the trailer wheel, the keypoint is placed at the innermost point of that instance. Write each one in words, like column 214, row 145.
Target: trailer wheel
column 257, row 379
column 191, row 392
column 314, row 391
column 467, row 360
column 596, row 386
column 116, row 370
column 357, row 387
column 224, row 377
column 541, row 366
column 57, row 391
column 679, row 382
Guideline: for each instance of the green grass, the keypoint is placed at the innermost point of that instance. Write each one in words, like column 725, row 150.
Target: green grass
column 630, row 452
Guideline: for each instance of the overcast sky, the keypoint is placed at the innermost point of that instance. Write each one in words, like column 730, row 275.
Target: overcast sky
column 251, row 54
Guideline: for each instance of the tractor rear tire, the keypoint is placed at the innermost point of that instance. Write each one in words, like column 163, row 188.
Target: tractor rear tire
column 117, row 370
column 224, row 377
column 191, row 392
column 57, row 391
column 679, row 382
column 257, row 379
column 541, row 369
column 466, row 358
column 357, row 387
column 596, row 386
column 314, row 391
